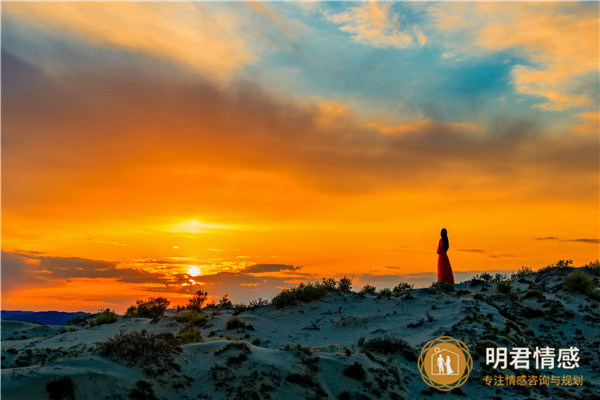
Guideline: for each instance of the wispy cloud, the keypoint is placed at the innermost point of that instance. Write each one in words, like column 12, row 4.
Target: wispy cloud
column 376, row 24
column 580, row 240
column 262, row 268
column 188, row 33
column 559, row 45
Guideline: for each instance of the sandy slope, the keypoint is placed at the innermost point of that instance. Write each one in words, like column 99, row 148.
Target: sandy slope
column 228, row 365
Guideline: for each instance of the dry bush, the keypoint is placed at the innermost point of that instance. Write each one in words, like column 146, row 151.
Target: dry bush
column 141, row 348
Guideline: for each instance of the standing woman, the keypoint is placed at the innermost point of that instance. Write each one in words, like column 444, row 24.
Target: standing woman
column 444, row 268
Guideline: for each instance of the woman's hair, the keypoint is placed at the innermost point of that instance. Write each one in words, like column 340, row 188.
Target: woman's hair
column 445, row 241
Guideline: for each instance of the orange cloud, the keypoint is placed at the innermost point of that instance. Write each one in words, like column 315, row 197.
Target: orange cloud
column 375, row 24
column 185, row 32
column 560, row 41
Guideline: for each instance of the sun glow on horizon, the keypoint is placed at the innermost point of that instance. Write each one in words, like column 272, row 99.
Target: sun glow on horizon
column 194, row 270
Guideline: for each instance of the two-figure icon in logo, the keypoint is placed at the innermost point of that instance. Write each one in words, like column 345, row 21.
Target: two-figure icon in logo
column 445, row 363
column 444, row 366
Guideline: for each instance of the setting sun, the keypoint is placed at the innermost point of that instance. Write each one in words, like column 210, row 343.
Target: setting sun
column 193, row 270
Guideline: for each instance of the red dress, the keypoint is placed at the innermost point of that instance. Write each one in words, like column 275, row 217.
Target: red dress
column 444, row 268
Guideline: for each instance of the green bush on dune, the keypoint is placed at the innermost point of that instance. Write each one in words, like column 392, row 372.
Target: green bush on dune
column 559, row 265
column 521, row 273
column 106, row 317
column 402, row 287
column 578, row 282
column 192, row 318
column 235, row 323
column 593, row 267
column 345, row 284
column 368, row 289
column 151, row 308
column 141, row 348
column 307, row 292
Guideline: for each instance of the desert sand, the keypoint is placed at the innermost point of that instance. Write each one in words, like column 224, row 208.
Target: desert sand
column 302, row 351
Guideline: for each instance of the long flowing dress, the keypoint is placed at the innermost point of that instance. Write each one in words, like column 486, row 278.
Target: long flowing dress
column 444, row 268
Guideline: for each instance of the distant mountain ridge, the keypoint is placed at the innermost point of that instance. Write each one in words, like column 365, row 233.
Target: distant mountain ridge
column 44, row 317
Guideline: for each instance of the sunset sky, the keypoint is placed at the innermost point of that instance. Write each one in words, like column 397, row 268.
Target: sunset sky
column 152, row 149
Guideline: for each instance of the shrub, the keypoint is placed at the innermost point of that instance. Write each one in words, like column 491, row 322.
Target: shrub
column 61, row 389
column 304, row 292
column 522, row 272
column 503, row 286
column 142, row 391
column 593, row 267
column 225, row 303
column 140, row 348
column 560, row 264
column 106, row 317
column 443, row 287
column 303, row 380
column 402, row 287
column 80, row 319
column 391, row 345
column 197, row 300
column 192, row 318
column 235, row 323
column 152, row 308
column 534, row 293
column 190, row 335
column 252, row 305
column 484, row 276
column 386, row 292
column 345, row 284
column 329, row 283
column 355, row 371
column 578, row 281
column 368, row 289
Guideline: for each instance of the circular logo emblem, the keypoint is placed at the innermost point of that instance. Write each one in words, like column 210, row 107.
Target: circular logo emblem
column 445, row 363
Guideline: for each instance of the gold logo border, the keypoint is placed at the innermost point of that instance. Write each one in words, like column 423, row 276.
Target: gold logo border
column 462, row 347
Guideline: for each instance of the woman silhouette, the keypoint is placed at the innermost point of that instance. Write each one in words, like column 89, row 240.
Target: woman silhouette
column 444, row 269
column 449, row 370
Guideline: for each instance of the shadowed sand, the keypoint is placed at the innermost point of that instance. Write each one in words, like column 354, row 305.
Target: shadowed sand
column 305, row 351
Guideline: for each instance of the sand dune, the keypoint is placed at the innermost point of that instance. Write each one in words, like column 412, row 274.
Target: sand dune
column 301, row 352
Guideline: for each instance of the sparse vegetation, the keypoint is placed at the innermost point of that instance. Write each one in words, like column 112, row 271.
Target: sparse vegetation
column 355, row 371
column 345, row 284
column 142, row 391
column 106, row 317
column 385, row 292
column 560, row 264
column 487, row 277
column 443, row 287
column 61, row 389
column 192, row 318
column 151, row 308
column 190, row 335
column 522, row 272
column 252, row 305
column 80, row 319
column 225, row 303
column 196, row 302
column 534, row 293
column 390, row 345
column 329, row 283
column 578, row 281
column 235, row 323
column 140, row 348
column 368, row 289
column 484, row 276
column 305, row 292
column 503, row 287
column 402, row 287
column 593, row 267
